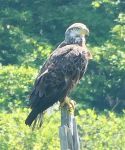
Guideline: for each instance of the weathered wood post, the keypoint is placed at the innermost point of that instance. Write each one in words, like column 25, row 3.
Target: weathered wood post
column 69, row 139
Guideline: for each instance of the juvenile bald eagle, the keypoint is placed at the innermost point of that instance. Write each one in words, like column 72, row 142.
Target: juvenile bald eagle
column 64, row 68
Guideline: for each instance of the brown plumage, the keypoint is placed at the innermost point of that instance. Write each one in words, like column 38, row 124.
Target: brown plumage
column 59, row 74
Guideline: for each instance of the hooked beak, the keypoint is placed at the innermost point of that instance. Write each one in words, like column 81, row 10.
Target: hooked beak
column 85, row 32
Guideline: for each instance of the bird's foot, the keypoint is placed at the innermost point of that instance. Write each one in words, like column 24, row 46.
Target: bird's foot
column 69, row 103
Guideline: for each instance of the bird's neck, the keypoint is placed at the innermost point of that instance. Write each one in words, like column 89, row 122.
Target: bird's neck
column 75, row 40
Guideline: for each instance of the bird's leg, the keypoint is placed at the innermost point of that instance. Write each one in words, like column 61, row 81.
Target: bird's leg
column 69, row 103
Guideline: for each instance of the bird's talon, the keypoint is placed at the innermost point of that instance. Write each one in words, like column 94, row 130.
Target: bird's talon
column 70, row 104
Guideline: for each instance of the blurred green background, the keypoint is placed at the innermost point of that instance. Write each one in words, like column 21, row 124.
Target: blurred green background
column 29, row 31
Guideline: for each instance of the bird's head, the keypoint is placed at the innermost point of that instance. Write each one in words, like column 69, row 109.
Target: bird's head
column 75, row 34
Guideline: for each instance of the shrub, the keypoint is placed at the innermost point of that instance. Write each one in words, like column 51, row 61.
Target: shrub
column 15, row 86
column 97, row 131
column 16, row 135
column 101, row 131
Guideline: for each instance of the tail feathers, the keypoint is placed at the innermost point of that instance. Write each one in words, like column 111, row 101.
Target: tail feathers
column 31, row 117
column 37, row 123
column 35, row 119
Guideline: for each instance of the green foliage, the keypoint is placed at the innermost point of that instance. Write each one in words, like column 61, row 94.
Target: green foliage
column 15, row 86
column 19, row 48
column 16, row 135
column 118, row 32
column 38, row 56
column 18, row 37
column 100, row 132
column 97, row 131
column 22, row 22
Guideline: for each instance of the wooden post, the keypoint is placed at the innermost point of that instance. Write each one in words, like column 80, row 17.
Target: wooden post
column 69, row 139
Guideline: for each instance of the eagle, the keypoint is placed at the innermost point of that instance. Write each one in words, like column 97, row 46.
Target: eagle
column 60, row 73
